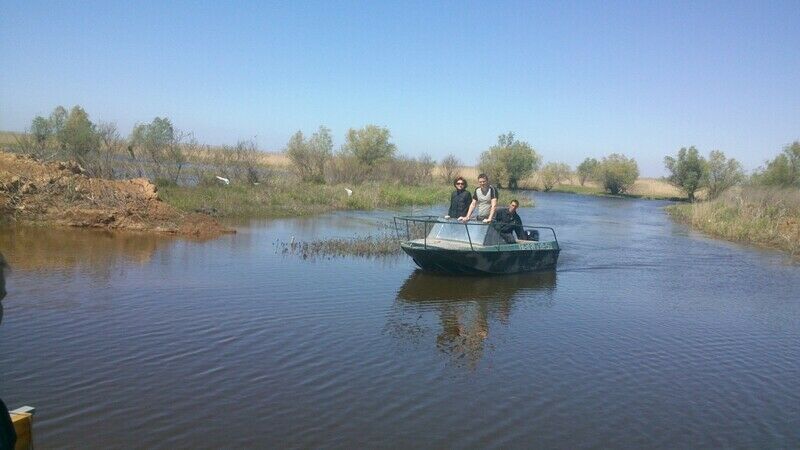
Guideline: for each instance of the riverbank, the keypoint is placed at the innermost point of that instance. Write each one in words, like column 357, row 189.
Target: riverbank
column 767, row 217
column 61, row 194
column 298, row 199
column 643, row 188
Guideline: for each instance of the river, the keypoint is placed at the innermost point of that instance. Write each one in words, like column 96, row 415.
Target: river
column 648, row 335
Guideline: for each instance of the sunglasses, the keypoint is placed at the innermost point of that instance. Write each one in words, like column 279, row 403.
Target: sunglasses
column 459, row 183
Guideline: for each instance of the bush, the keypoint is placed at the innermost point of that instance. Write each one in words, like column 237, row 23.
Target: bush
column 784, row 170
column 344, row 168
column 162, row 145
column 449, row 167
column 552, row 174
column 309, row 157
column 586, row 170
column 688, row 171
column 509, row 161
column 722, row 173
column 369, row 144
column 617, row 173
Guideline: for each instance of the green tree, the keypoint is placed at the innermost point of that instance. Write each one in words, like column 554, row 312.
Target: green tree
column 153, row 139
column 164, row 146
column 586, row 169
column 552, row 174
column 617, row 173
column 784, row 170
column 722, row 173
column 57, row 119
column 688, row 171
column 509, row 161
column 369, row 144
column 309, row 156
column 41, row 130
column 78, row 135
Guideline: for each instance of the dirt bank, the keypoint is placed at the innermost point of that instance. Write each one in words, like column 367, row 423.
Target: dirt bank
column 61, row 194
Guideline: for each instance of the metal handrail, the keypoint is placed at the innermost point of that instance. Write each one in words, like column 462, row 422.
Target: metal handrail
column 436, row 219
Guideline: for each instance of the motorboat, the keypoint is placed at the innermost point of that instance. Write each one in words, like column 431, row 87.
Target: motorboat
column 449, row 246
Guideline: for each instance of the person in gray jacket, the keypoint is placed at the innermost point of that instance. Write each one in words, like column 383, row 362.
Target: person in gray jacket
column 485, row 199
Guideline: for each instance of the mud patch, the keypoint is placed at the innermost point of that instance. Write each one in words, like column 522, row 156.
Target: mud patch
column 61, row 194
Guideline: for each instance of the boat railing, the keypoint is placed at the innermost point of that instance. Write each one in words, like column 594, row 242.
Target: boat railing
column 413, row 224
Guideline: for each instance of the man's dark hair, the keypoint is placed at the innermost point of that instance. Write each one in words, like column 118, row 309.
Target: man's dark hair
column 514, row 201
column 483, row 175
column 460, row 179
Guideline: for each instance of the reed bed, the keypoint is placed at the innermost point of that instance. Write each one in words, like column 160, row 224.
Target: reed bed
column 758, row 215
column 364, row 247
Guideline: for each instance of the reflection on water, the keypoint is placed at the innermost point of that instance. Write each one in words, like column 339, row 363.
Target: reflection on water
column 649, row 336
column 466, row 307
column 38, row 248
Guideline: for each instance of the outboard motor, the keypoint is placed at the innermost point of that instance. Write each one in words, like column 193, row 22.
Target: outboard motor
column 532, row 235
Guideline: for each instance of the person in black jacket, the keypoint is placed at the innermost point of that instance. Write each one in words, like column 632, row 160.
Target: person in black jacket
column 3, row 267
column 460, row 199
column 507, row 221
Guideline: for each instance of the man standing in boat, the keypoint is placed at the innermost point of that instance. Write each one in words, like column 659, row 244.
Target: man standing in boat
column 459, row 200
column 485, row 198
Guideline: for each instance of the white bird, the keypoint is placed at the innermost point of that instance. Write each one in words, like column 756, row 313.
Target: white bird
column 224, row 180
column 349, row 192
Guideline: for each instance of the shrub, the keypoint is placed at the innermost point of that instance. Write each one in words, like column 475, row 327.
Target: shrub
column 509, row 161
column 448, row 168
column 344, row 168
column 688, row 171
column 552, row 174
column 586, row 169
column 369, row 144
column 617, row 173
column 309, row 157
column 78, row 135
column 784, row 170
column 722, row 173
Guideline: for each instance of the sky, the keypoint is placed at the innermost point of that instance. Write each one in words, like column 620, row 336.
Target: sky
column 573, row 79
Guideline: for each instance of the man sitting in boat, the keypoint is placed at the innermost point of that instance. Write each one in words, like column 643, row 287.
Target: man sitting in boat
column 507, row 222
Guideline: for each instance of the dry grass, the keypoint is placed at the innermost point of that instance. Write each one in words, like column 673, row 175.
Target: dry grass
column 763, row 216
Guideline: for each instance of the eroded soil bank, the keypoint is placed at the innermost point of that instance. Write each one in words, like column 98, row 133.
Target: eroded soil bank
column 61, row 194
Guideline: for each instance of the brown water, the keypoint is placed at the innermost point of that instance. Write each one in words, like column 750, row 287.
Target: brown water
column 648, row 335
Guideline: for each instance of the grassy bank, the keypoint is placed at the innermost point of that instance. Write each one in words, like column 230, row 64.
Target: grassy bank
column 291, row 199
column 644, row 188
column 760, row 216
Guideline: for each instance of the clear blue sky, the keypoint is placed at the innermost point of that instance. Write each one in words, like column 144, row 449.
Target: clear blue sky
column 573, row 79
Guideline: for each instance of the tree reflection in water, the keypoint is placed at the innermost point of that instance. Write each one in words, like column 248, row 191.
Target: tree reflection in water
column 465, row 306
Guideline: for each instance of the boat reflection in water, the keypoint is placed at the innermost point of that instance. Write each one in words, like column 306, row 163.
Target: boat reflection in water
column 466, row 308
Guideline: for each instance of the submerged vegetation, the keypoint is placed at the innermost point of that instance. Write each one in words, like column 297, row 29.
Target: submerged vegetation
column 368, row 246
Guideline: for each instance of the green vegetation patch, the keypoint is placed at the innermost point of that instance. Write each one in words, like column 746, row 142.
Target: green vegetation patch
column 368, row 247
column 761, row 216
column 281, row 200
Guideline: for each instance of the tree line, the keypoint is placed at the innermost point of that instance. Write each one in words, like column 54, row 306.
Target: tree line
column 160, row 151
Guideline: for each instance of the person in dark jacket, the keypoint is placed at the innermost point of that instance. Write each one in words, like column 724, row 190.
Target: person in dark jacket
column 8, row 436
column 507, row 222
column 460, row 199
column 3, row 267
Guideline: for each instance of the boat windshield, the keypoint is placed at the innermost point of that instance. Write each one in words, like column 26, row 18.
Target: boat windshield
column 479, row 234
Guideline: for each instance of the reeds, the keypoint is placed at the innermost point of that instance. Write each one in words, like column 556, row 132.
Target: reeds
column 759, row 215
column 365, row 247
